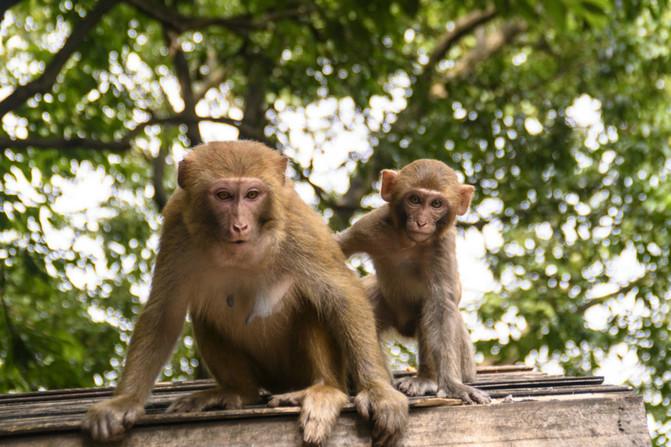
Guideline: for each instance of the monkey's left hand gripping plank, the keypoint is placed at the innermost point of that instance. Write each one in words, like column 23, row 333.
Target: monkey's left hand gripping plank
column 272, row 303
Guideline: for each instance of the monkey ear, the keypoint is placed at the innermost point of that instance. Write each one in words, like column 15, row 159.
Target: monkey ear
column 182, row 173
column 465, row 196
column 388, row 181
column 282, row 168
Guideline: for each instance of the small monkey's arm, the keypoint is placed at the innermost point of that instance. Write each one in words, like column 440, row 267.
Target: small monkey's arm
column 357, row 238
column 152, row 342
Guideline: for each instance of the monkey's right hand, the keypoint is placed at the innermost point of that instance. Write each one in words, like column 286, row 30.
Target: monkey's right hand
column 388, row 410
column 109, row 420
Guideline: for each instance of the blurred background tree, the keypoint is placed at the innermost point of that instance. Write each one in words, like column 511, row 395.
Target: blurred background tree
column 558, row 111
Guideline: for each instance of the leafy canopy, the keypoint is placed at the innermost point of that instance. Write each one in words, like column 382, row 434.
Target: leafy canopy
column 106, row 95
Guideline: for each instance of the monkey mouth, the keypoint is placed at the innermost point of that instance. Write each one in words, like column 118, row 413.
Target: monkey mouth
column 419, row 236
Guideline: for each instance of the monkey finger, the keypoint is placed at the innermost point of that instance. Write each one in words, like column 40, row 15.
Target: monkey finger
column 292, row 399
column 129, row 418
column 467, row 399
column 115, row 428
column 362, row 404
column 481, row 397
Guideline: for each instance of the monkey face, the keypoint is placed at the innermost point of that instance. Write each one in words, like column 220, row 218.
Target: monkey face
column 424, row 210
column 239, row 206
column 426, row 196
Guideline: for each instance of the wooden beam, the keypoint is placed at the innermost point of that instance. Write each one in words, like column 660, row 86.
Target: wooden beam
column 602, row 420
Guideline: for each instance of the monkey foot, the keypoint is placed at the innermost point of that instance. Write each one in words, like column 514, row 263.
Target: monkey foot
column 320, row 406
column 292, row 399
column 416, row 386
column 203, row 400
column 387, row 409
column 468, row 394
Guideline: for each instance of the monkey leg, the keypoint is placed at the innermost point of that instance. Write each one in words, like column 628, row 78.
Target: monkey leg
column 230, row 368
column 446, row 345
column 467, row 354
column 322, row 401
column 425, row 380
column 320, row 406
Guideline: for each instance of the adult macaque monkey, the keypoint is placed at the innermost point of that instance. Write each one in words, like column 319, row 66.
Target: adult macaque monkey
column 272, row 302
column 416, row 289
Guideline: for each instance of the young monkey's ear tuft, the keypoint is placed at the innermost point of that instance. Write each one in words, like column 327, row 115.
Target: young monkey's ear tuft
column 282, row 168
column 465, row 196
column 183, row 173
column 388, row 181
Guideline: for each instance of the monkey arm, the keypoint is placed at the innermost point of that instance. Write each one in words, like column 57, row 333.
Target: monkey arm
column 152, row 342
column 348, row 242
column 364, row 234
column 344, row 307
column 443, row 330
column 439, row 331
column 154, row 336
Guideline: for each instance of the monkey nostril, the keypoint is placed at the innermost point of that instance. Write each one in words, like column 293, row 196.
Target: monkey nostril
column 421, row 224
column 240, row 227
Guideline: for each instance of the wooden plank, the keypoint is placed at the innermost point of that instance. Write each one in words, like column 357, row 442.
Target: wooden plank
column 159, row 402
column 613, row 420
column 65, row 417
column 488, row 381
column 207, row 383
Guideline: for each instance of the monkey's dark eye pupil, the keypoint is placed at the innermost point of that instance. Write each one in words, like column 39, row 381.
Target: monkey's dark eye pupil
column 415, row 200
column 252, row 194
column 436, row 204
column 223, row 195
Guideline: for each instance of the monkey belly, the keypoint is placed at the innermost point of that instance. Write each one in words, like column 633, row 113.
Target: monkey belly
column 279, row 353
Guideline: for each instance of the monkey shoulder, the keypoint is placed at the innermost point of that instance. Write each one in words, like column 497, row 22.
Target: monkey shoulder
column 374, row 231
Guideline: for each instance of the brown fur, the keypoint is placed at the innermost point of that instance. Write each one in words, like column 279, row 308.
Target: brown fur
column 317, row 328
column 416, row 289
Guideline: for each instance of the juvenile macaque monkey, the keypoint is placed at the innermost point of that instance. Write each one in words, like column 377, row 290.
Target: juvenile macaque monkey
column 416, row 289
column 272, row 302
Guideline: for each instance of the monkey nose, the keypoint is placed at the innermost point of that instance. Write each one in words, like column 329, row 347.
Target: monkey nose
column 421, row 224
column 240, row 228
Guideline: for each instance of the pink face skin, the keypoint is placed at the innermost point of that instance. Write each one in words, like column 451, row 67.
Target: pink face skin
column 424, row 208
column 239, row 205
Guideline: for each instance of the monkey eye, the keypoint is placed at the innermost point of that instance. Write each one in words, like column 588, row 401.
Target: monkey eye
column 437, row 203
column 251, row 195
column 414, row 199
column 223, row 195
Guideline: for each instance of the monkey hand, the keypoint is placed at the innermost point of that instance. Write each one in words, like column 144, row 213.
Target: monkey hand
column 416, row 386
column 109, row 420
column 388, row 410
column 204, row 400
column 468, row 394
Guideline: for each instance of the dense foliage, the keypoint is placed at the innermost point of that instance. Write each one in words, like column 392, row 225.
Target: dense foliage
column 103, row 96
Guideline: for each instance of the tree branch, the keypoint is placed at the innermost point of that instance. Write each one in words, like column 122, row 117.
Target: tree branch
column 45, row 81
column 65, row 144
column 487, row 46
column 184, row 77
column 603, row 298
column 463, row 26
column 122, row 145
column 158, row 172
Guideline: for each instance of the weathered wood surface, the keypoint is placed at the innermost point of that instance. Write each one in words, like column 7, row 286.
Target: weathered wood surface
column 591, row 421
column 529, row 409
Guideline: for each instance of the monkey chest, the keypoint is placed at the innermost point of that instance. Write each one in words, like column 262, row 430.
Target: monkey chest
column 403, row 277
